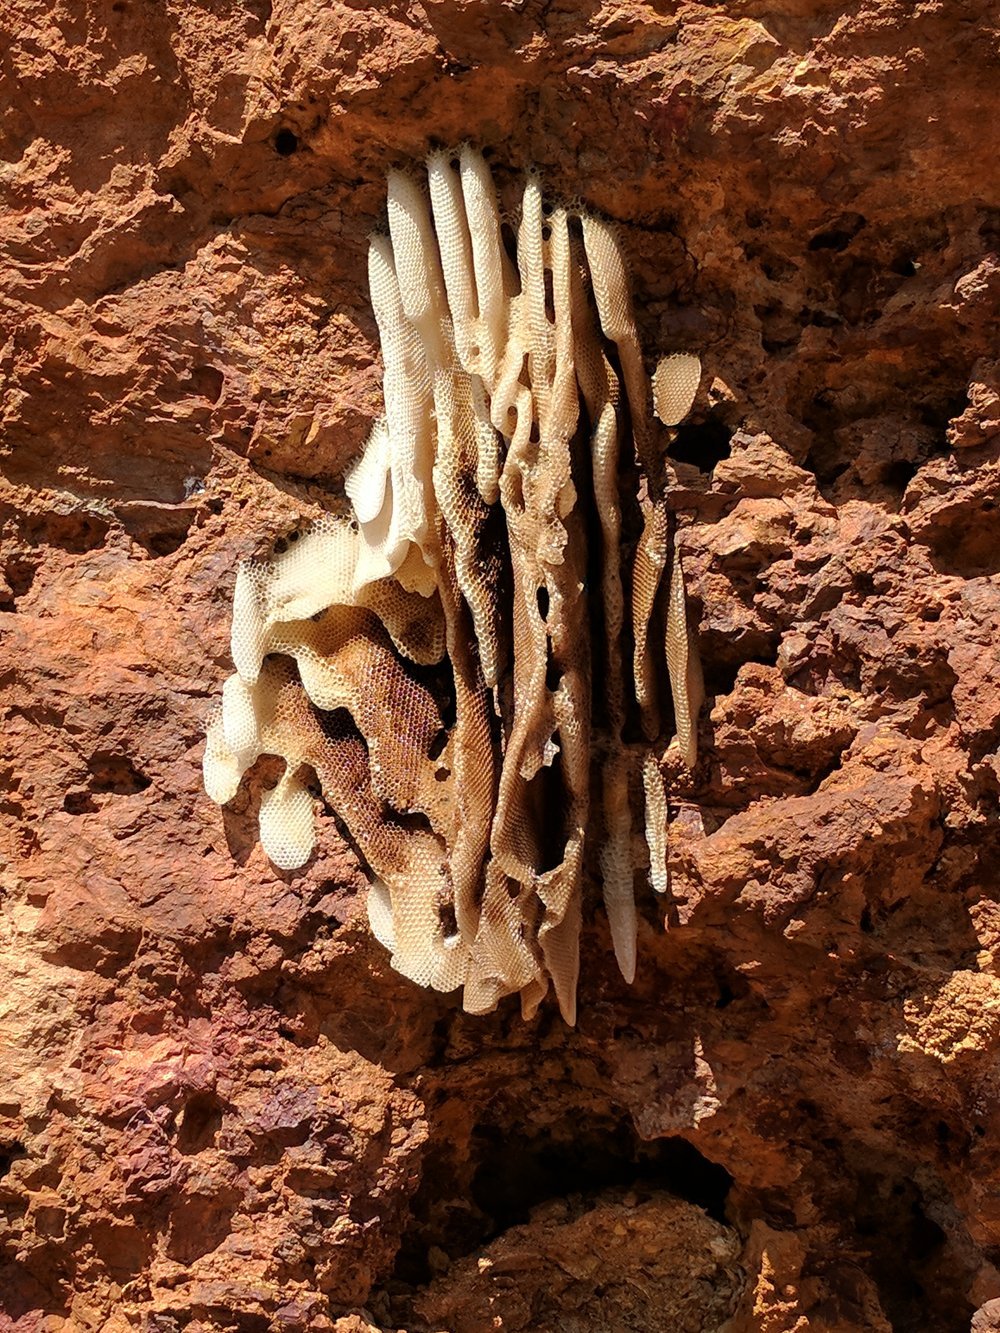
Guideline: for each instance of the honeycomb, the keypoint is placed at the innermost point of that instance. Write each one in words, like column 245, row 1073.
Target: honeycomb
column 473, row 665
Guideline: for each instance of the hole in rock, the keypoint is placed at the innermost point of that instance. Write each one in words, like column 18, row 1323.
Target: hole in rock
column 75, row 533
column 514, row 1178
column 904, row 267
column 900, row 474
column 968, row 549
column 208, row 381
column 825, row 461
column 702, row 443
column 839, row 234
column 285, row 143
column 943, row 403
column 199, row 1125
column 9, row 1153
column 730, row 987
column 722, row 669
column 242, row 1321
column 820, row 319
column 920, row 1281
column 502, row 1176
column 18, row 575
column 159, row 529
column 79, row 801
column 115, row 773
column 166, row 543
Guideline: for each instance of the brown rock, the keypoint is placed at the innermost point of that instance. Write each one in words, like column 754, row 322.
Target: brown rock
column 650, row 1265
column 219, row 1110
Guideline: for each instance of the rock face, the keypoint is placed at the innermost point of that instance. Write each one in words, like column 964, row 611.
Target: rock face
column 219, row 1109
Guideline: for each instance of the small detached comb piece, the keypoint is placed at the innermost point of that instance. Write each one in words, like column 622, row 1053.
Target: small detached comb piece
column 675, row 383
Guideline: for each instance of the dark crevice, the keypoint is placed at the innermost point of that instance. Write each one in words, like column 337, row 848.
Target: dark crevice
column 161, row 529
column 207, row 382
column 545, row 795
column 839, row 234
column 920, row 1285
column 704, row 444
column 116, row 774
column 512, row 1179
column 79, row 801
column 285, row 142
column 199, row 1124
column 18, row 576
column 826, row 461
column 75, row 533
column 9, row 1154
column 505, row 1176
column 904, row 267
column 944, row 404
column 110, row 775
column 970, row 549
column 899, row 474
column 720, row 671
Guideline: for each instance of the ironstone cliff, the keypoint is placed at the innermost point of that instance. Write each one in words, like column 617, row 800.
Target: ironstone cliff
column 220, row 1109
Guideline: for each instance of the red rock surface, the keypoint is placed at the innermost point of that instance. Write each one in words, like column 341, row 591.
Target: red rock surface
column 219, row 1110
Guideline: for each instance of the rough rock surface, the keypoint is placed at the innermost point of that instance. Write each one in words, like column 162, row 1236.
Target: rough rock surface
column 219, row 1109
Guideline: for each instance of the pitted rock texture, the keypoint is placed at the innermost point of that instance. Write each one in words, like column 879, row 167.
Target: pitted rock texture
column 219, row 1108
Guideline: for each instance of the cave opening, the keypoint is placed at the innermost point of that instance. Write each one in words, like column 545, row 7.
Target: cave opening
column 505, row 1173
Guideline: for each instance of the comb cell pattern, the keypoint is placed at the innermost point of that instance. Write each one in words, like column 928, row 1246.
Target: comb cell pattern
column 482, row 666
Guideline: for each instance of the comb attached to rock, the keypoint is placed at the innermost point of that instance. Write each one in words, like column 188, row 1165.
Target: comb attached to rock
column 486, row 540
